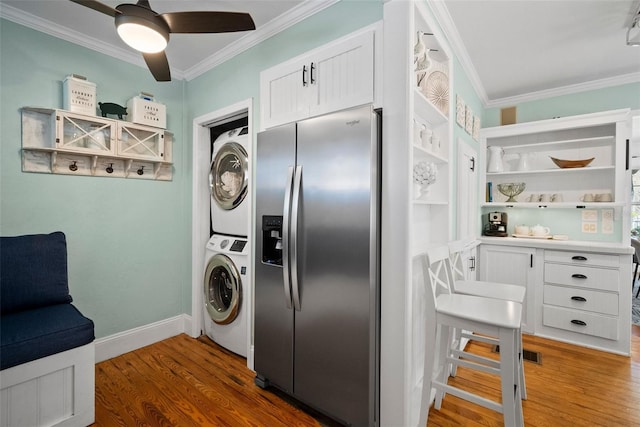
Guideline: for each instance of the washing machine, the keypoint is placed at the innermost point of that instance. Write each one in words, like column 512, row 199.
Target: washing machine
column 226, row 291
column 228, row 183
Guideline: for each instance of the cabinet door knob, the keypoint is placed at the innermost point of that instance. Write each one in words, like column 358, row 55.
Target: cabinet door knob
column 304, row 75
column 579, row 258
column 583, row 299
column 579, row 322
column 578, row 276
column 313, row 67
column 73, row 166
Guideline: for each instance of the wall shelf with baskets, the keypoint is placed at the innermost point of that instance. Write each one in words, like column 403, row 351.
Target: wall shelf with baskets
column 62, row 142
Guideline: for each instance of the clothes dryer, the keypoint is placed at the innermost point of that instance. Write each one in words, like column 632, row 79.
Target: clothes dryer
column 229, row 177
column 226, row 292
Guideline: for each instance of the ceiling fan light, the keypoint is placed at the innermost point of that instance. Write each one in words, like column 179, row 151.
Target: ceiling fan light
column 141, row 28
column 142, row 38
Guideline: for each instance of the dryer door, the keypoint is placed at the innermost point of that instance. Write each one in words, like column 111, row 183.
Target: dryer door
column 222, row 289
column 228, row 176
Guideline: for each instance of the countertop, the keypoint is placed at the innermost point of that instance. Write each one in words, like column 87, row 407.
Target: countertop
column 576, row 245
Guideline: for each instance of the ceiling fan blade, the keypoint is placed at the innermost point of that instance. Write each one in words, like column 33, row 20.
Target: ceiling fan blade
column 158, row 65
column 208, row 22
column 100, row 7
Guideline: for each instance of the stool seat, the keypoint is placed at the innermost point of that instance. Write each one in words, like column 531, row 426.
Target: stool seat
column 491, row 290
column 500, row 313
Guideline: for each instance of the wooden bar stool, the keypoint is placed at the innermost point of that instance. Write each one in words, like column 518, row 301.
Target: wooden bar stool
column 462, row 285
column 490, row 316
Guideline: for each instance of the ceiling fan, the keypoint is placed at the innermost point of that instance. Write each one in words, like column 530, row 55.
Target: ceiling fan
column 148, row 32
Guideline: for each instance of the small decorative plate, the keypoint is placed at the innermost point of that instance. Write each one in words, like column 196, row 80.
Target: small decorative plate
column 437, row 90
column 435, row 86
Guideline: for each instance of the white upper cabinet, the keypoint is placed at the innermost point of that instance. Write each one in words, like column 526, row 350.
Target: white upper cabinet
column 334, row 77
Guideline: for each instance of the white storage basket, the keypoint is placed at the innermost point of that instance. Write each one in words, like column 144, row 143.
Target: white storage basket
column 79, row 95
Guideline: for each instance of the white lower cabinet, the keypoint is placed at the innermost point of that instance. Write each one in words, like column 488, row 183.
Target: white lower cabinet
column 516, row 266
column 573, row 295
column 580, row 294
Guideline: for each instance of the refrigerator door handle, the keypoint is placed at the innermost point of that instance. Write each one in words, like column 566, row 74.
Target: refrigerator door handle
column 295, row 204
column 285, row 238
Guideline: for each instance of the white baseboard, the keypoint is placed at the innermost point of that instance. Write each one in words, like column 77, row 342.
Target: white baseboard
column 133, row 339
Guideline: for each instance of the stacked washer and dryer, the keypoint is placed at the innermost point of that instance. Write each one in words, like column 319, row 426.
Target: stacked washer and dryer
column 227, row 256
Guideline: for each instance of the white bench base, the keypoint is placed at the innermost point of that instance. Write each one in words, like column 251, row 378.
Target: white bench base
column 57, row 390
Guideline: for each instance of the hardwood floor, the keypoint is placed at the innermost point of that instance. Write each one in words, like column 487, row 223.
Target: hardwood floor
column 187, row 382
column 573, row 386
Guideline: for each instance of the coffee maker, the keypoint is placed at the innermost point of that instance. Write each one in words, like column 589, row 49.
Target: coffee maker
column 497, row 225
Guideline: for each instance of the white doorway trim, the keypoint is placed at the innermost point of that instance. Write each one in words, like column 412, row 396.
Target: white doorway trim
column 200, row 214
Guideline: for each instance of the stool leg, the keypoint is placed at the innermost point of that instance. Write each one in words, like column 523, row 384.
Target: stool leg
column 523, row 385
column 457, row 341
column 511, row 402
column 443, row 365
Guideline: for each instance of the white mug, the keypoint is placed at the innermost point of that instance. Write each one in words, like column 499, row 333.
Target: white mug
column 533, row 198
column 523, row 230
column 587, row 197
column 545, row 197
column 539, row 230
column 557, row 198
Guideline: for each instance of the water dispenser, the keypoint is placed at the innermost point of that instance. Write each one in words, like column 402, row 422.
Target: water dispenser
column 272, row 240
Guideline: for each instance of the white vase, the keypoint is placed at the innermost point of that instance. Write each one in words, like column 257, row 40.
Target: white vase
column 524, row 164
column 495, row 159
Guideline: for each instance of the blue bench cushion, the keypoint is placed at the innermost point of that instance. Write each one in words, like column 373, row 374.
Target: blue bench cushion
column 33, row 271
column 32, row 334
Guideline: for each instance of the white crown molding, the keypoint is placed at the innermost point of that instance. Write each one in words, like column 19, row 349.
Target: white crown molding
column 439, row 9
column 565, row 90
column 45, row 26
column 271, row 28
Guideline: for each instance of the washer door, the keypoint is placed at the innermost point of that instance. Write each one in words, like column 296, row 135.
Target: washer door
column 228, row 176
column 222, row 289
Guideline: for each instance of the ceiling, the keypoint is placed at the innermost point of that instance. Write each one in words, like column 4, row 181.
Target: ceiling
column 511, row 50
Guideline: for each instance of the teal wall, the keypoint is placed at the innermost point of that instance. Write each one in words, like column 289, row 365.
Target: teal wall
column 128, row 240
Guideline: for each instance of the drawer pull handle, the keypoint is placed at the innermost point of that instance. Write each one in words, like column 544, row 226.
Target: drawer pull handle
column 579, row 258
column 579, row 322
column 578, row 276
column 583, row 299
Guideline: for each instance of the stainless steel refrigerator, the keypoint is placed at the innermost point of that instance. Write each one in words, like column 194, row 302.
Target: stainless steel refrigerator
column 317, row 263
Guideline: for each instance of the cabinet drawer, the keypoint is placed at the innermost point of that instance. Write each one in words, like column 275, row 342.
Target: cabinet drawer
column 581, row 322
column 584, row 277
column 581, row 299
column 582, row 258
